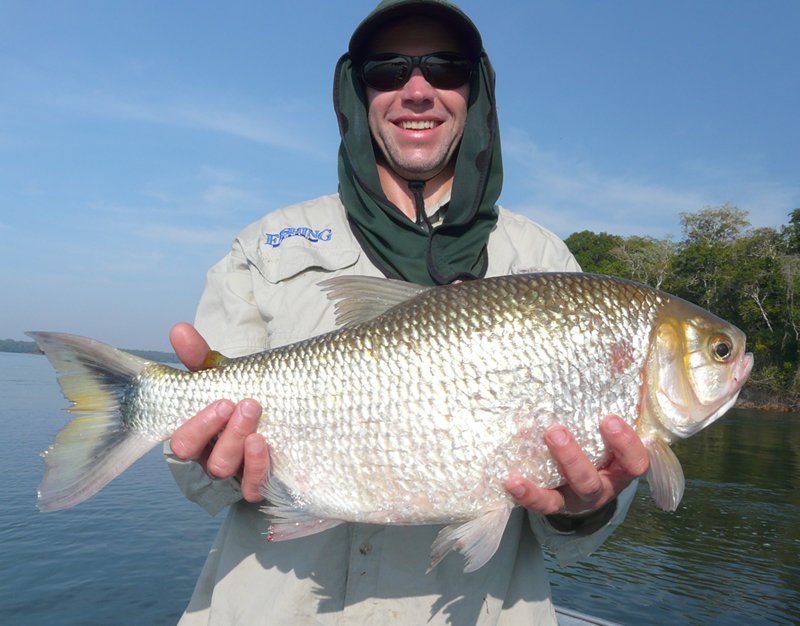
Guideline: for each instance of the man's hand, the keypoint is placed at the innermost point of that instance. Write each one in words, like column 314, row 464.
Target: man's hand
column 587, row 488
column 222, row 437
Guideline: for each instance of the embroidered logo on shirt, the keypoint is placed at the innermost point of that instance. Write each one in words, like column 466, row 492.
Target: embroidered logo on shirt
column 314, row 236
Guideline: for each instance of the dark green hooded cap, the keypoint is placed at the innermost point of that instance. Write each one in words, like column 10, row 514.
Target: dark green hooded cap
column 456, row 248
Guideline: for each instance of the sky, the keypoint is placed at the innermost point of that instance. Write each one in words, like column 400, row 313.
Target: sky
column 137, row 137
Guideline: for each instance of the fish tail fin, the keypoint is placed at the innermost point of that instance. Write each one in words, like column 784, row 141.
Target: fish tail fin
column 97, row 446
column 665, row 475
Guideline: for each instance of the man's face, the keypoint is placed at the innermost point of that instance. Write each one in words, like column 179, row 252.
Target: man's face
column 417, row 127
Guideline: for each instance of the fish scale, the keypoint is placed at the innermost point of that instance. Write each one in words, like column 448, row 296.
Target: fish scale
column 349, row 447
column 419, row 408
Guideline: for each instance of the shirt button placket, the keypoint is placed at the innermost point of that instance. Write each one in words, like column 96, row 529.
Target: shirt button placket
column 363, row 566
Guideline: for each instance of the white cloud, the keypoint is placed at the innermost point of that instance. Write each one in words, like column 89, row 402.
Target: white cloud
column 224, row 196
column 207, row 195
column 220, row 174
column 183, row 236
column 270, row 126
column 569, row 195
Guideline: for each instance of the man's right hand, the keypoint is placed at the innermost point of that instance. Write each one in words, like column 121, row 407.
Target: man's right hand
column 222, row 437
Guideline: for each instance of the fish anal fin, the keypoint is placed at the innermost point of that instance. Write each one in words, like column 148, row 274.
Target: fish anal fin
column 476, row 539
column 665, row 475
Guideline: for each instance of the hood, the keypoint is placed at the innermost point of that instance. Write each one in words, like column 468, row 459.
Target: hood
column 456, row 248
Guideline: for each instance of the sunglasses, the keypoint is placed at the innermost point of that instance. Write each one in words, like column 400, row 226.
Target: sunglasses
column 390, row 71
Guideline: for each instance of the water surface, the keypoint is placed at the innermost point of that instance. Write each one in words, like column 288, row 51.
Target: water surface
column 728, row 555
column 131, row 554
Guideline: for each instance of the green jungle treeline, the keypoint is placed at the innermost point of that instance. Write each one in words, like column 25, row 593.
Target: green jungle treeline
column 748, row 276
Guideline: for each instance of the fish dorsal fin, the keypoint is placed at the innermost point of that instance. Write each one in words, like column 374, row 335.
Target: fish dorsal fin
column 362, row 298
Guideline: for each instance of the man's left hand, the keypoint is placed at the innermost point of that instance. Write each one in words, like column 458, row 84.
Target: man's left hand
column 586, row 488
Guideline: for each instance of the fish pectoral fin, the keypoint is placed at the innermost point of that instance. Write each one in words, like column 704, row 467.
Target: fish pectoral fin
column 665, row 475
column 476, row 539
column 289, row 517
column 362, row 298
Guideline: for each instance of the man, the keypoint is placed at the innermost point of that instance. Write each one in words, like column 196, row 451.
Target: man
column 420, row 172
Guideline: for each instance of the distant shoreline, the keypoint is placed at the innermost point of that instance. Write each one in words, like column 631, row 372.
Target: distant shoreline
column 772, row 406
column 29, row 347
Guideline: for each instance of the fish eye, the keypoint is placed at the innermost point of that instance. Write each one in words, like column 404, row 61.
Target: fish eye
column 722, row 348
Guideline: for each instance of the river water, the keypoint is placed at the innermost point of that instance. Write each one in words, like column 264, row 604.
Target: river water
column 131, row 554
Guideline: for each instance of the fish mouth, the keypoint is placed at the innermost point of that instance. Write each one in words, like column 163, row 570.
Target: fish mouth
column 742, row 372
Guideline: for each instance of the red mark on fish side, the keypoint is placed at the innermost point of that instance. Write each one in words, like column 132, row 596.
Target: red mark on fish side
column 621, row 358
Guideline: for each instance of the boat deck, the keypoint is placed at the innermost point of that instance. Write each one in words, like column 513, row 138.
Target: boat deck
column 568, row 617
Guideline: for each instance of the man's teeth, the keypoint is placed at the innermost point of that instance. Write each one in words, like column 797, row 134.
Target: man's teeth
column 417, row 125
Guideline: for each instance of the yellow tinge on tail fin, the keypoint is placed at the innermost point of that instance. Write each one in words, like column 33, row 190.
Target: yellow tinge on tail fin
column 97, row 445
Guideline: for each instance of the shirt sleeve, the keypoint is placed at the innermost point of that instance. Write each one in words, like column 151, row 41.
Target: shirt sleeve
column 570, row 547
column 229, row 319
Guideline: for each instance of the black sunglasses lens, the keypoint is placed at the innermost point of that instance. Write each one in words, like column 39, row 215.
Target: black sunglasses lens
column 446, row 72
column 442, row 71
column 386, row 74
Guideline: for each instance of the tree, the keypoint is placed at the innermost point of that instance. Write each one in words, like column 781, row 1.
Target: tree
column 759, row 289
column 790, row 270
column 714, row 225
column 704, row 261
column 595, row 252
column 647, row 260
column 792, row 232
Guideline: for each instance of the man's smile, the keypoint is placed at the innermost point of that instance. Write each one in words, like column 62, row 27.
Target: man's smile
column 417, row 124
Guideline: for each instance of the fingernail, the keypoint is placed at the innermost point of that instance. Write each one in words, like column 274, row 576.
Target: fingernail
column 558, row 436
column 517, row 492
column 224, row 408
column 255, row 445
column 250, row 409
column 614, row 424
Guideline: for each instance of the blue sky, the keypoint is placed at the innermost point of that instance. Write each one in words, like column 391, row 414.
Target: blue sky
column 137, row 137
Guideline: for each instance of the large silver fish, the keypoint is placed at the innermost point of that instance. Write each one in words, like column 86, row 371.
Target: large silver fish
column 424, row 402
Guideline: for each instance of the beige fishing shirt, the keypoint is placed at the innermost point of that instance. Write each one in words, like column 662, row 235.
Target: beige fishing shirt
column 264, row 294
